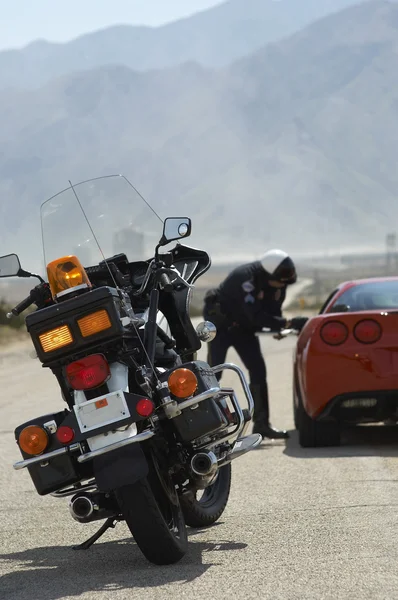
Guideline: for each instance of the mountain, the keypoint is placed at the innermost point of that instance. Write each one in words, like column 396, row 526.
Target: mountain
column 213, row 38
column 293, row 146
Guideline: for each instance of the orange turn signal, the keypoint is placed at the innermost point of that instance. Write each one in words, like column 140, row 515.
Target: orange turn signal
column 182, row 383
column 55, row 338
column 66, row 273
column 33, row 440
column 94, row 323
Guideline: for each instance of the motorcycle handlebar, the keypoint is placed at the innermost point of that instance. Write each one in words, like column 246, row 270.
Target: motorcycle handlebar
column 165, row 282
column 41, row 295
column 279, row 334
column 19, row 308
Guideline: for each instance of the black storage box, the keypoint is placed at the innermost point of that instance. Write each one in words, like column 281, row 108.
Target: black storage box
column 67, row 313
column 206, row 417
column 57, row 473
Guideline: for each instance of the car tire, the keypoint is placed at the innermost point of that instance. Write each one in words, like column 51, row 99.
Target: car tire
column 295, row 399
column 313, row 434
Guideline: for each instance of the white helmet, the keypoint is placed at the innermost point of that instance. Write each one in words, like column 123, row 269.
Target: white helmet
column 279, row 266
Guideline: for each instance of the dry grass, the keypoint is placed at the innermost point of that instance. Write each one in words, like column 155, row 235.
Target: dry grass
column 10, row 335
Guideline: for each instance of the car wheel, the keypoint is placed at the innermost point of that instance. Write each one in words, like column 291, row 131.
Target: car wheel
column 314, row 434
column 306, row 429
column 295, row 402
column 328, row 434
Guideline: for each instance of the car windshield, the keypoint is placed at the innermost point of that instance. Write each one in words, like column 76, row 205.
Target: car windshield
column 369, row 296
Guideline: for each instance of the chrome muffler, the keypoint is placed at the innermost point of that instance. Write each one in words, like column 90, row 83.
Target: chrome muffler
column 82, row 508
column 204, row 464
column 241, row 447
column 85, row 508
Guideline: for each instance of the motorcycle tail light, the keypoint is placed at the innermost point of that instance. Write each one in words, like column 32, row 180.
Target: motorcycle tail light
column 55, row 338
column 65, row 434
column 367, row 331
column 33, row 440
column 65, row 275
column 334, row 333
column 94, row 323
column 182, row 383
column 88, row 373
column 145, row 407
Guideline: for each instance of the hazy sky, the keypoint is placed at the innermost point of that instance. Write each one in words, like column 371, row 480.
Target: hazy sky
column 22, row 21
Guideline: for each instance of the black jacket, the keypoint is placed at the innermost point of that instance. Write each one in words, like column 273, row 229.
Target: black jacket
column 248, row 300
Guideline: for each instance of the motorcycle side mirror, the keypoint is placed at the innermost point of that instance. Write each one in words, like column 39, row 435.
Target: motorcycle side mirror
column 206, row 331
column 10, row 266
column 175, row 228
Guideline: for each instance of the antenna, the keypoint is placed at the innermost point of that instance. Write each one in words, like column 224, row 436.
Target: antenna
column 119, row 291
column 96, row 241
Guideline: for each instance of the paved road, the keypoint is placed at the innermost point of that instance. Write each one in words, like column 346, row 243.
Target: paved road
column 300, row 524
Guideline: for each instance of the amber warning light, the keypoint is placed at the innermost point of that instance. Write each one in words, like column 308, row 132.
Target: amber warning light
column 182, row 383
column 65, row 275
column 33, row 440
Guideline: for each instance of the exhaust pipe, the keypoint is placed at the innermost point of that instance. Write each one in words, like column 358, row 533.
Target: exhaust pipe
column 242, row 446
column 204, row 464
column 82, row 508
column 86, row 508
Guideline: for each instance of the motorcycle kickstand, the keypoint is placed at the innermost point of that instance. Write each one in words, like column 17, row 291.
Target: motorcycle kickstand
column 109, row 523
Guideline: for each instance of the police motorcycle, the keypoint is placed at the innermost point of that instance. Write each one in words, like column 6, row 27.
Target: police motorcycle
column 147, row 435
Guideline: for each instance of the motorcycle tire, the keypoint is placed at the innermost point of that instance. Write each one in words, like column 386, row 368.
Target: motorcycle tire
column 207, row 510
column 156, row 524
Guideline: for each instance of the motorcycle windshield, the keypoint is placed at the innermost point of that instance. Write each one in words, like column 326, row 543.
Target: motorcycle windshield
column 98, row 218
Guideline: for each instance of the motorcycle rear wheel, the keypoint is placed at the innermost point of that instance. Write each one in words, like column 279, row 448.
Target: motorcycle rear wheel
column 156, row 523
column 209, row 508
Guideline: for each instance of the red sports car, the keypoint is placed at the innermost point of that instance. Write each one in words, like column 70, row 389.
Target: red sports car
column 346, row 362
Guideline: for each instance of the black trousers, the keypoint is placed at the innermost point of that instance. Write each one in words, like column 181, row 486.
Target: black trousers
column 247, row 345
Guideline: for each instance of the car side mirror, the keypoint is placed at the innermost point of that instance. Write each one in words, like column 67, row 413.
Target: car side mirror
column 10, row 266
column 175, row 228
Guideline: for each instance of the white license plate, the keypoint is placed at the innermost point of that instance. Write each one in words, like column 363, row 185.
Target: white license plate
column 97, row 442
column 101, row 411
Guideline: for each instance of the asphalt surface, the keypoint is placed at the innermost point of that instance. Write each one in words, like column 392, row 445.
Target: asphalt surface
column 319, row 524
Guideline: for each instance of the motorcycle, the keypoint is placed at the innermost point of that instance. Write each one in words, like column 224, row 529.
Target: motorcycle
column 147, row 427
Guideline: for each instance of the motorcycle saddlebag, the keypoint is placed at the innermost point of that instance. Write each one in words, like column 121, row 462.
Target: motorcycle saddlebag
column 61, row 471
column 206, row 417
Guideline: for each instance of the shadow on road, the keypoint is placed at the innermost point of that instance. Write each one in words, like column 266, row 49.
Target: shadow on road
column 355, row 441
column 55, row 572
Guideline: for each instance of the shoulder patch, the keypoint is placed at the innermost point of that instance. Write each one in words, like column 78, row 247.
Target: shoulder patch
column 249, row 298
column 247, row 286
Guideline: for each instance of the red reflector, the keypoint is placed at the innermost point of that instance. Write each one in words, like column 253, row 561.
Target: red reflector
column 145, row 407
column 101, row 403
column 334, row 333
column 367, row 331
column 65, row 434
column 89, row 372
